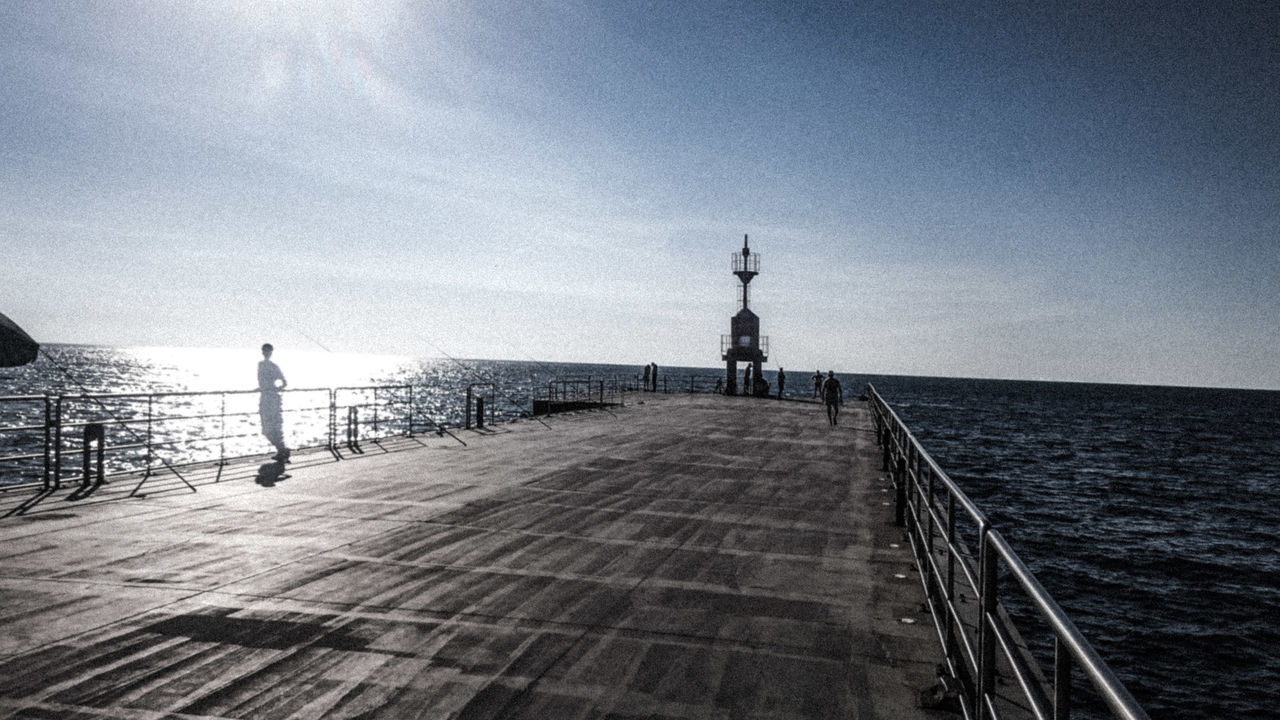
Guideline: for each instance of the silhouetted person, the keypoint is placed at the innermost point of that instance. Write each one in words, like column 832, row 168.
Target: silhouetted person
column 655, row 377
column 270, row 382
column 748, row 387
column 647, row 368
column 817, row 383
column 832, row 395
column 782, row 379
column 720, row 386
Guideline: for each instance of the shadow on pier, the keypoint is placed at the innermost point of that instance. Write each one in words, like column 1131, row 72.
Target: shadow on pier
column 692, row 556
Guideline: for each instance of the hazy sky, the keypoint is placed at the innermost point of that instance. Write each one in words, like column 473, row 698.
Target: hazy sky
column 1017, row 190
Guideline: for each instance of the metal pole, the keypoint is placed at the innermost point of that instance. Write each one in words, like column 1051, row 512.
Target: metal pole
column 57, row 444
column 48, row 409
column 986, row 615
column 900, row 483
column 150, row 436
column 222, row 435
column 1061, row 680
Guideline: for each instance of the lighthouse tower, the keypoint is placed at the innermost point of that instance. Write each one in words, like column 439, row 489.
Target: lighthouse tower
column 743, row 343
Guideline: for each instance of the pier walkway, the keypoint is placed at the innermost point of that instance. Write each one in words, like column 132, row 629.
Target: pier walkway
column 685, row 556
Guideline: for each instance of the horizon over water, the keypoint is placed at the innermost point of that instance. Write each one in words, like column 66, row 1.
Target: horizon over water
column 351, row 361
column 1149, row 512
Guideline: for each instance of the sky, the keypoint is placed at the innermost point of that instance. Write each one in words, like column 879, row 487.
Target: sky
column 1081, row 191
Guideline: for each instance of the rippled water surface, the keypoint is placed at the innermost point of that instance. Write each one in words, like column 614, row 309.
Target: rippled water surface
column 1151, row 514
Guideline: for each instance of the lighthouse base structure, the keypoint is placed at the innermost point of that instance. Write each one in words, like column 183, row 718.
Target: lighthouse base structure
column 731, row 385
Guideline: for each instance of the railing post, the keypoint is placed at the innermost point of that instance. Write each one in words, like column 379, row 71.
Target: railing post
column 94, row 432
column 929, row 506
column 411, row 409
column 986, row 613
column 1061, row 680
column 913, row 482
column 949, row 590
column 353, row 429
column 480, row 412
column 48, row 429
column 222, row 435
column 150, row 437
column 900, row 484
column 57, row 444
column 333, row 421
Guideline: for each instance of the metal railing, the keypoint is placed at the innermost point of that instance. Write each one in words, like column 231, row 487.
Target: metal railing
column 750, row 263
column 983, row 649
column 146, row 432
column 584, row 389
column 729, row 342
column 25, row 440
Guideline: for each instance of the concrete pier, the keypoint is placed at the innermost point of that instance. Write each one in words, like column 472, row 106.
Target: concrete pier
column 690, row 556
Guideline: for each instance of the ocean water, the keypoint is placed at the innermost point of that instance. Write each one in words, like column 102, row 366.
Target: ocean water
column 1151, row 514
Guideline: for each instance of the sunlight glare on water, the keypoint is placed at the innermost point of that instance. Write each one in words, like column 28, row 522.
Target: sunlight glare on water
column 216, row 369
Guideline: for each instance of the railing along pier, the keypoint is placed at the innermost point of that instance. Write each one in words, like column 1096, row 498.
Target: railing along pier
column 983, row 649
column 151, row 432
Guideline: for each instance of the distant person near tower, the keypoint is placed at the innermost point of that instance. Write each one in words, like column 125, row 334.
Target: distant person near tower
column 832, row 395
column 654, row 378
column 817, row 383
column 270, row 382
column 782, row 379
column 647, row 368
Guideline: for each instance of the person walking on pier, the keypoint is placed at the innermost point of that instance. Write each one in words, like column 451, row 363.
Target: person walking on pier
column 647, row 368
column 817, row 383
column 654, row 377
column 782, row 379
column 832, row 395
column 270, row 382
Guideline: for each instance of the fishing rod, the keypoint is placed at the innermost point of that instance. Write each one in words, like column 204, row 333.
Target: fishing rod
column 477, row 374
column 86, row 394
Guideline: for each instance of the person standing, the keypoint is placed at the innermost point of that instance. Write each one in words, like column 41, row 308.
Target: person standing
column 817, row 383
column 654, row 378
column 647, row 368
column 270, row 382
column 832, row 395
column 782, row 379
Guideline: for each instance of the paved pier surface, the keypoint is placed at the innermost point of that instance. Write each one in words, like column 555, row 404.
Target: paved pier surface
column 682, row 557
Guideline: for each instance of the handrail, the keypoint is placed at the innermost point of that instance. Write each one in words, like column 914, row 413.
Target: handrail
column 932, row 527
column 143, row 431
column 17, row 454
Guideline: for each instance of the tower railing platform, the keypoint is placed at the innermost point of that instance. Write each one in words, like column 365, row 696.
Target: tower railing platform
column 749, row 263
column 727, row 344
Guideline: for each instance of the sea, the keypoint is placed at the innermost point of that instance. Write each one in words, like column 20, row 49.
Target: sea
column 1151, row 514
